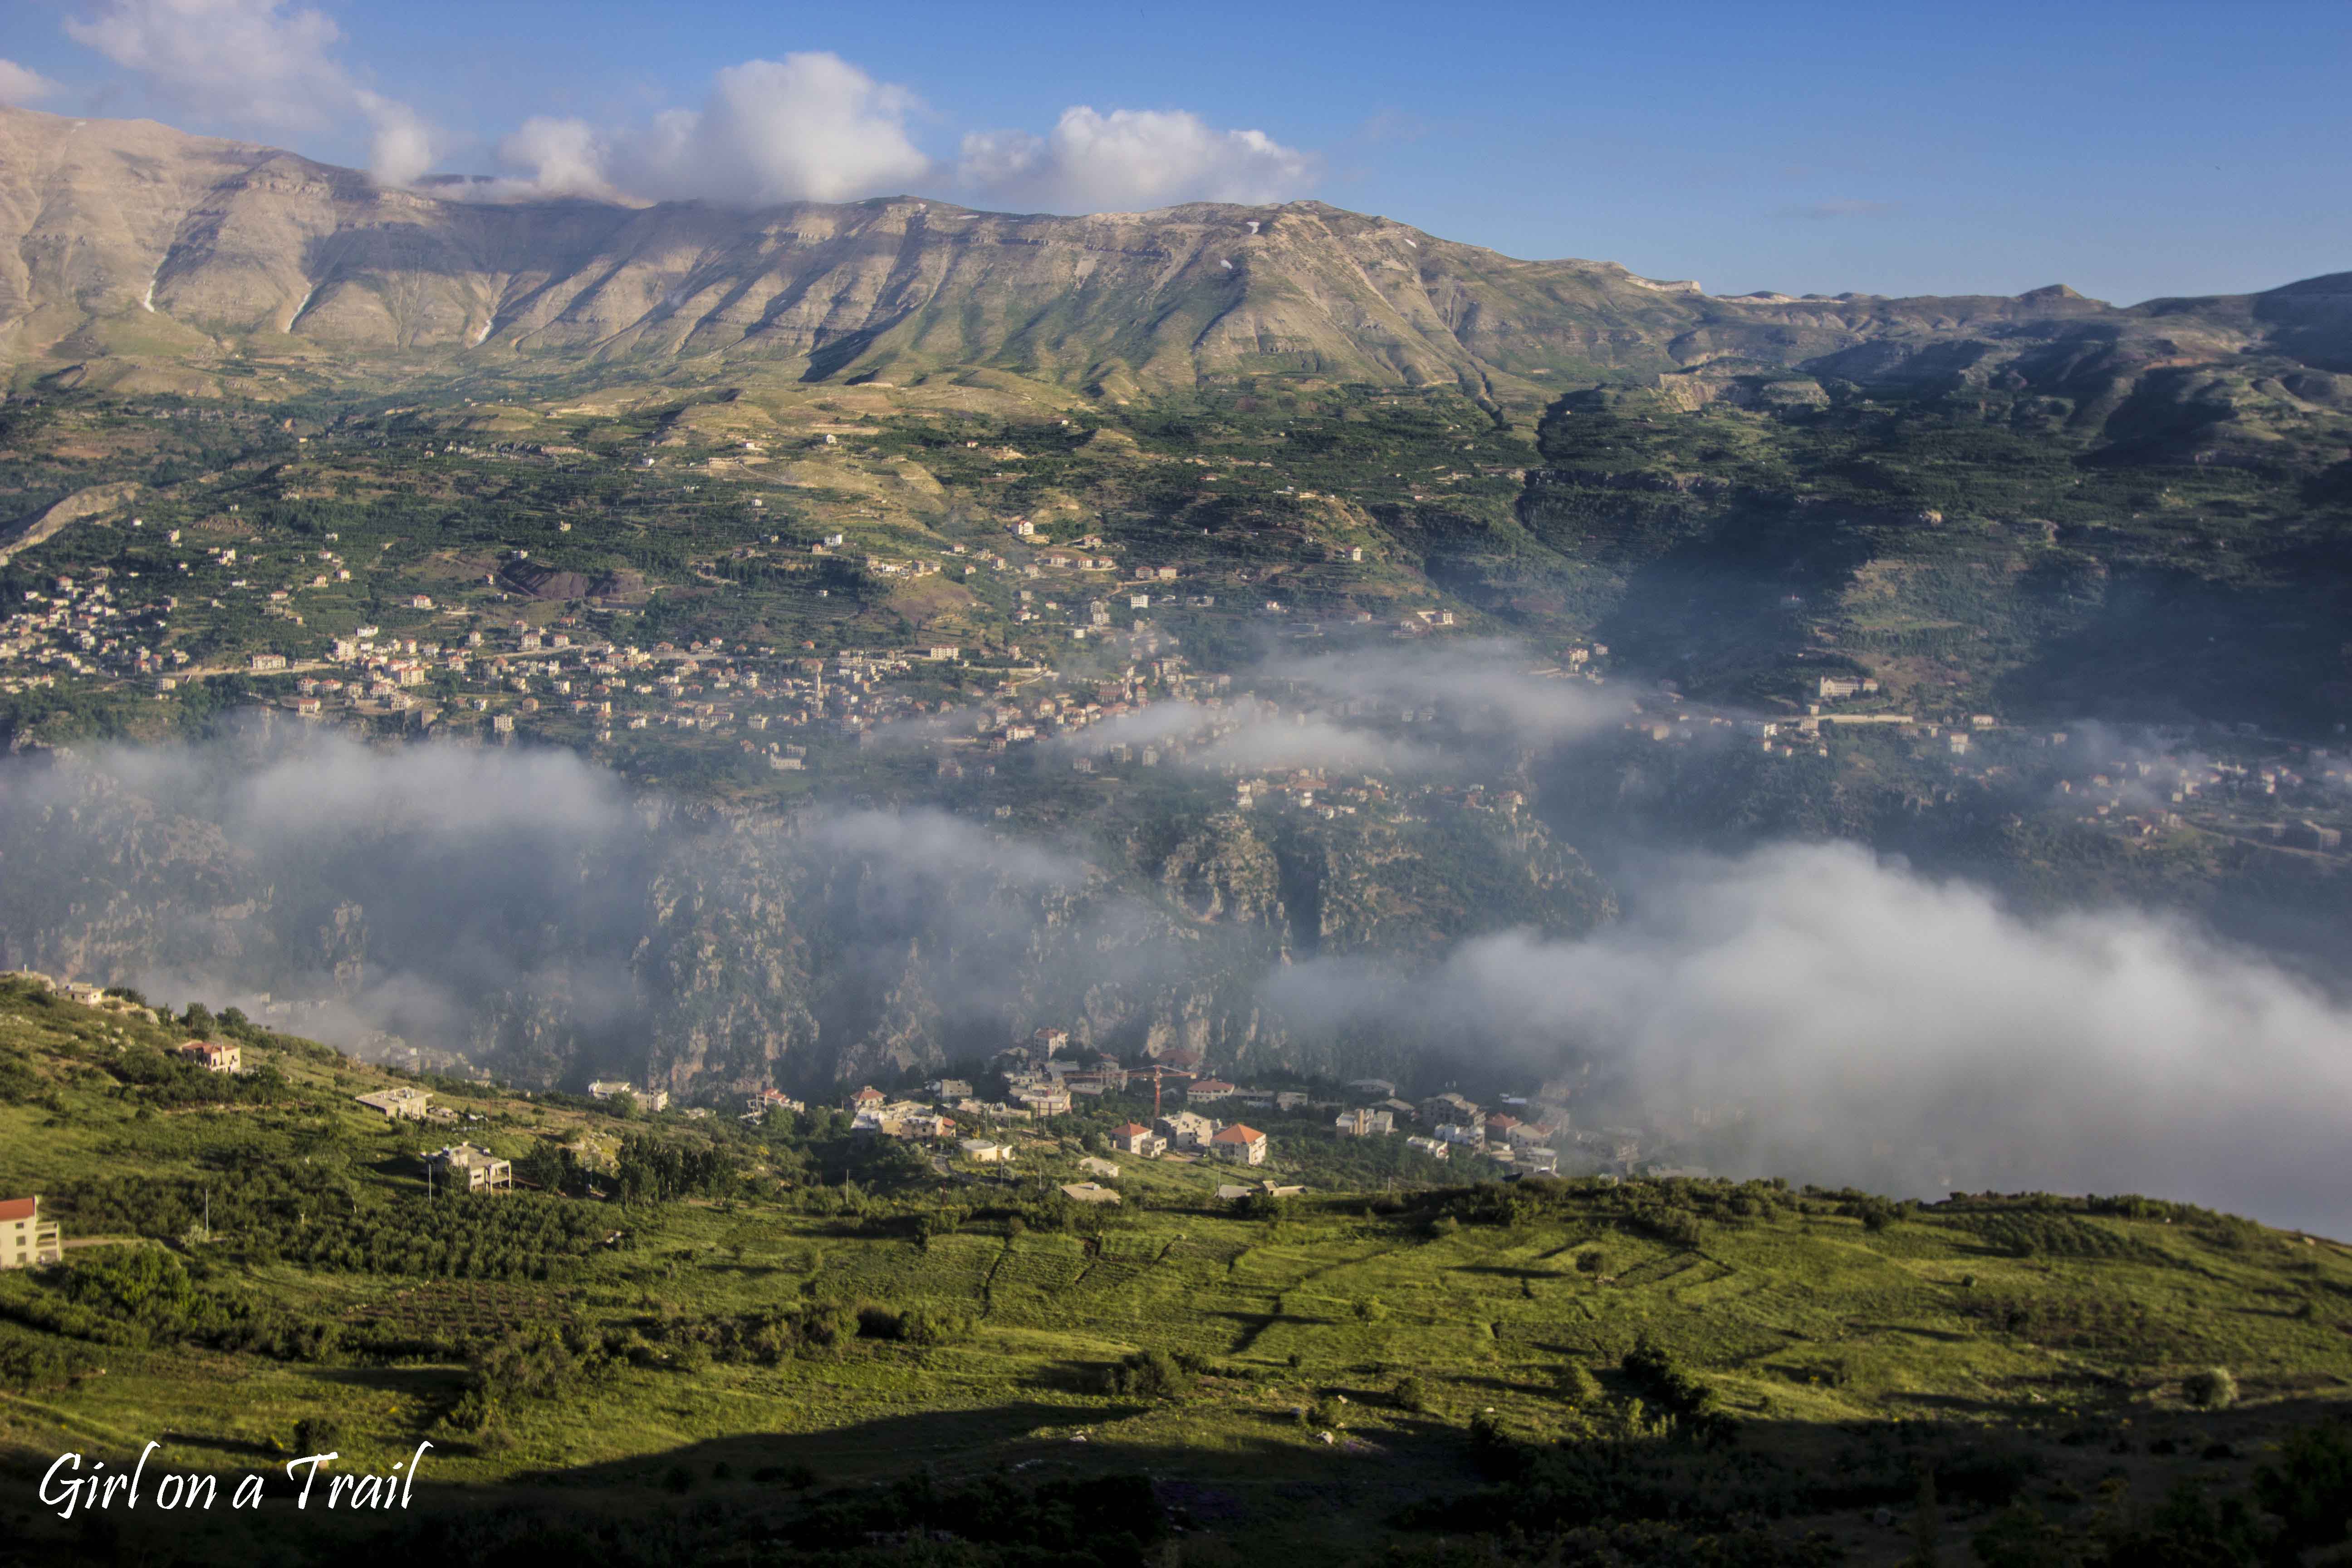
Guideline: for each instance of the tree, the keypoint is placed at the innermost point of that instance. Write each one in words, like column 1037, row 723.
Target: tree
column 2310, row 1487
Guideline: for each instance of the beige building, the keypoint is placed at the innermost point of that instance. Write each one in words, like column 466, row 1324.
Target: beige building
column 26, row 1240
column 648, row 1099
column 399, row 1104
column 214, row 1056
column 477, row 1167
column 1134, row 1138
column 1045, row 1101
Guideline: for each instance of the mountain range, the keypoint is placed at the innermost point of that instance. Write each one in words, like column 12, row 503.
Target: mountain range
column 137, row 255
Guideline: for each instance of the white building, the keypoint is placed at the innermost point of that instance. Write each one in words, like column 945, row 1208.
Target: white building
column 26, row 1240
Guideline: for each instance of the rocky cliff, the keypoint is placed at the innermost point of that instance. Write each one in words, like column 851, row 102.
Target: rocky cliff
column 136, row 252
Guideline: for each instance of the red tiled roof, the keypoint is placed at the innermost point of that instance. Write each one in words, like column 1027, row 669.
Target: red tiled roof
column 18, row 1209
column 1128, row 1130
column 1238, row 1134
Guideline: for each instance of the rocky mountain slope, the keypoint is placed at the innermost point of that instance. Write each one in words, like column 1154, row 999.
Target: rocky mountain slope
column 147, row 256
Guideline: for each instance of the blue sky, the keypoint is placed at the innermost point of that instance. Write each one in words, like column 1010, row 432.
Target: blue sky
column 2130, row 150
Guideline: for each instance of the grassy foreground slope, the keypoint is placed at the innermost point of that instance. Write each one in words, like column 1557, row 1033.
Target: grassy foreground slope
column 799, row 1346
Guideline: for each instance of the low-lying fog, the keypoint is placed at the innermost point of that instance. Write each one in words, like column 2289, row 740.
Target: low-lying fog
column 1813, row 1011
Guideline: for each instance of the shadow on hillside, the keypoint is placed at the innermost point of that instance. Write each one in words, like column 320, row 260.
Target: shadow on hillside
column 1913, row 1331
column 1255, row 1325
column 1507, row 1271
column 450, row 1380
column 1032, row 1440
column 858, row 1488
column 241, row 1447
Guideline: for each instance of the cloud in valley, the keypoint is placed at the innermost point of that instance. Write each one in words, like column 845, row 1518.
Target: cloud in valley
column 1129, row 160
column 1868, row 1025
column 260, row 66
column 1418, row 711
column 520, row 905
column 1487, row 686
column 1840, row 1019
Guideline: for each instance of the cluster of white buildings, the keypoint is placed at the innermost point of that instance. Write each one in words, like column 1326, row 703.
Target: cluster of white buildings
column 78, row 626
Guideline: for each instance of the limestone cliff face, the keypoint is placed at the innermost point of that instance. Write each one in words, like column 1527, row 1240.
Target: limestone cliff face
column 127, row 243
column 700, row 948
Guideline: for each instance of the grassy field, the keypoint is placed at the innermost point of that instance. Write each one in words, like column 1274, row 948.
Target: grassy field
column 818, row 1368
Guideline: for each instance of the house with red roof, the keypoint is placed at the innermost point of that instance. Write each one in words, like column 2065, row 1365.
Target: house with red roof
column 1134, row 1138
column 1241, row 1144
column 213, row 1055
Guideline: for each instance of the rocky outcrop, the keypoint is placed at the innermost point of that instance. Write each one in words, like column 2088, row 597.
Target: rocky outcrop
column 95, row 501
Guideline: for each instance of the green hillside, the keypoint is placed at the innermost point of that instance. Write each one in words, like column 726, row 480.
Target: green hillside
column 802, row 1345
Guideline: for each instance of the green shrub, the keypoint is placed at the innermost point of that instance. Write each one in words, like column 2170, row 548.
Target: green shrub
column 1150, row 1374
column 316, row 1434
column 2212, row 1389
column 1658, row 1373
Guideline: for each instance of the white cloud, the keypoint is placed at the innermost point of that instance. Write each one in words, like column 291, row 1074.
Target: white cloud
column 256, row 65
column 250, row 61
column 809, row 127
column 400, row 145
column 19, row 85
column 561, row 157
column 1131, row 160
